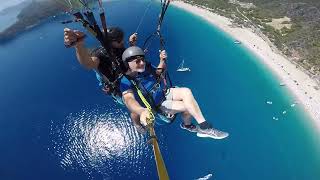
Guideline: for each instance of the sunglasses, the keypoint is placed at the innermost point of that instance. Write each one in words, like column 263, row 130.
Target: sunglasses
column 137, row 59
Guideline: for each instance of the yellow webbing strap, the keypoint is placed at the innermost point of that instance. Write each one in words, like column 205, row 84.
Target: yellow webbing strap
column 161, row 167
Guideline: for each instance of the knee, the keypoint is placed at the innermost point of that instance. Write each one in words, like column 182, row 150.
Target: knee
column 186, row 114
column 187, row 92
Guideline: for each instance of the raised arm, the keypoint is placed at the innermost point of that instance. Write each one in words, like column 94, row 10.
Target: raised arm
column 84, row 57
column 162, row 64
column 75, row 38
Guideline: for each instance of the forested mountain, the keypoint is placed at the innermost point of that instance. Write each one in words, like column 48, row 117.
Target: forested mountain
column 293, row 26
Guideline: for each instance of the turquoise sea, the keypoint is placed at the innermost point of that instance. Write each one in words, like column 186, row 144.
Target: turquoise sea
column 55, row 123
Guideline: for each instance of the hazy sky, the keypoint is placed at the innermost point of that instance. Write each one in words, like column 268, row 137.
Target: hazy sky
column 7, row 3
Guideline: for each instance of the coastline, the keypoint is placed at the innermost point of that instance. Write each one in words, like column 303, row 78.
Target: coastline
column 299, row 84
column 7, row 19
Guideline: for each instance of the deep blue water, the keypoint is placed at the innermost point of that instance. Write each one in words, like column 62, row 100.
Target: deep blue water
column 57, row 124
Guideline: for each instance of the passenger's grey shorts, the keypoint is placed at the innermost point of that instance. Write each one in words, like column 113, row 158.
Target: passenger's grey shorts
column 166, row 105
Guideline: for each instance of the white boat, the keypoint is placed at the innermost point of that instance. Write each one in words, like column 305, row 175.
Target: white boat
column 237, row 42
column 183, row 69
column 282, row 84
column 269, row 102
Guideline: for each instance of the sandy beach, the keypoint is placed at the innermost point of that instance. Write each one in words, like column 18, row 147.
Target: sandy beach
column 295, row 80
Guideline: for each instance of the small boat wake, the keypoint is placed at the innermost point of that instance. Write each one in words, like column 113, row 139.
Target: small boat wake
column 205, row 177
column 237, row 42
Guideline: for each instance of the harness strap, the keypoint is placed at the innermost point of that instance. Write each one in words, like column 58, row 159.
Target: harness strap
column 106, row 81
column 165, row 5
column 103, row 18
column 161, row 167
column 153, row 89
column 145, row 102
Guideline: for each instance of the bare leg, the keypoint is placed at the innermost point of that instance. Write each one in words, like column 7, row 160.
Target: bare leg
column 182, row 100
column 186, row 117
column 190, row 104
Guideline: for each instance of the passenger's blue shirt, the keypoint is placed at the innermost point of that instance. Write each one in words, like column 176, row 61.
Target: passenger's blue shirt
column 147, row 81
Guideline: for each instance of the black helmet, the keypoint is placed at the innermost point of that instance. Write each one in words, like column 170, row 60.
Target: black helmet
column 115, row 34
column 132, row 52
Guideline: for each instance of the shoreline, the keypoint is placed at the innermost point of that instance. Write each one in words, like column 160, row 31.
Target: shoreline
column 8, row 19
column 297, row 82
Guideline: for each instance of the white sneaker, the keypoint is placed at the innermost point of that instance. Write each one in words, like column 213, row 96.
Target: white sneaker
column 212, row 133
column 192, row 128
